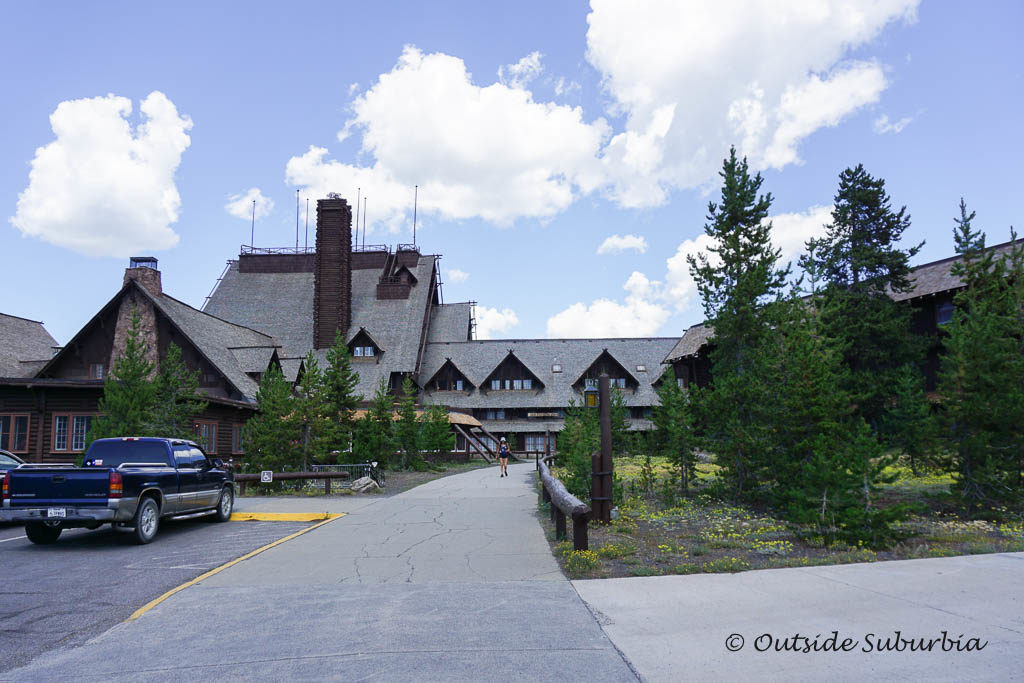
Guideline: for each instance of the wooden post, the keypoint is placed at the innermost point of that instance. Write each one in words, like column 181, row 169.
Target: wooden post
column 559, row 525
column 327, row 486
column 604, row 509
column 579, row 532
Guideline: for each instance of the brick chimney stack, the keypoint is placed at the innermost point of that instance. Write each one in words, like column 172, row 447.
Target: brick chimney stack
column 332, row 272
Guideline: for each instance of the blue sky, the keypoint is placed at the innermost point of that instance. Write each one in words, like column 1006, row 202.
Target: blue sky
column 536, row 132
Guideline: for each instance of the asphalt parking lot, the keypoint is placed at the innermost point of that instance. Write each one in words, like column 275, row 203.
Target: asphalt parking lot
column 64, row 594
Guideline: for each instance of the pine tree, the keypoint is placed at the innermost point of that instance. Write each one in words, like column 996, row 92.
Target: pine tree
column 271, row 436
column 981, row 372
column 674, row 434
column 407, row 427
column 127, row 405
column 340, row 382
column 176, row 400
column 734, row 288
column 373, row 438
column 579, row 439
column 908, row 424
column 622, row 438
column 861, row 265
column 437, row 433
column 312, row 416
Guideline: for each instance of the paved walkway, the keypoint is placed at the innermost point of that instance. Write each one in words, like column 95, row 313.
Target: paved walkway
column 452, row 580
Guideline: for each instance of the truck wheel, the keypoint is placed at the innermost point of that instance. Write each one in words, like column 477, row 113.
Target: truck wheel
column 225, row 505
column 147, row 520
column 43, row 533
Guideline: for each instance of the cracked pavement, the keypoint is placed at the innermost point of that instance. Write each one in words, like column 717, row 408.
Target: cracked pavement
column 452, row 580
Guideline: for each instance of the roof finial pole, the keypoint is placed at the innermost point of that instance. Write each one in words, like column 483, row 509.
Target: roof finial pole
column 307, row 223
column 358, row 191
column 364, row 222
column 252, row 231
column 296, row 220
column 415, row 198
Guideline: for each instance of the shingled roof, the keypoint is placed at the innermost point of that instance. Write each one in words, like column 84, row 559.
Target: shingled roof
column 25, row 346
column 478, row 359
column 450, row 322
column 935, row 277
column 691, row 341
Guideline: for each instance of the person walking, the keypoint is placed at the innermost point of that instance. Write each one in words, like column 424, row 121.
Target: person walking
column 503, row 457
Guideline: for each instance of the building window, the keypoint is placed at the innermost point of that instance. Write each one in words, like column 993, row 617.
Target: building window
column 208, row 379
column 14, row 433
column 619, row 382
column 556, row 368
column 458, row 385
column 495, row 385
column 69, row 432
column 590, row 383
column 206, row 435
column 517, row 385
column 498, row 414
column 96, row 371
column 237, row 445
column 681, row 383
column 363, row 351
column 535, row 443
column 641, row 368
column 527, row 384
column 944, row 313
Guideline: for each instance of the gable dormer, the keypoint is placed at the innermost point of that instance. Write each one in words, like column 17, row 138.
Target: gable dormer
column 363, row 348
column 512, row 375
column 449, row 378
column 617, row 374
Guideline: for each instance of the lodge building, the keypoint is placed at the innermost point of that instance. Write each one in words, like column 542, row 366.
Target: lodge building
column 273, row 306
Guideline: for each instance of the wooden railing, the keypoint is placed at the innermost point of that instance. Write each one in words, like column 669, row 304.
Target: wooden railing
column 564, row 504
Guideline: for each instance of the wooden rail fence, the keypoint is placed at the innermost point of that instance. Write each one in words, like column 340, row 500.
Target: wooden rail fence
column 564, row 504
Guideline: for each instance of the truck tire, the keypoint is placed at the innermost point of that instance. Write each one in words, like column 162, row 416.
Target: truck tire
column 43, row 533
column 147, row 521
column 225, row 504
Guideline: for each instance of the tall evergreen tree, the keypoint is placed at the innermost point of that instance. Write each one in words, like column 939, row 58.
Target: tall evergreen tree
column 674, row 430
column 374, row 433
column 271, row 437
column 437, row 431
column 126, row 408
column 407, row 427
column 176, row 397
column 622, row 438
column 579, row 439
column 981, row 372
column 862, row 265
column 735, row 282
column 313, row 415
column 907, row 424
column 340, row 382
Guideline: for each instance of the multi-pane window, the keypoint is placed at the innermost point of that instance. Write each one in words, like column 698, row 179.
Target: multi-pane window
column 363, row 351
column 498, row 414
column 69, row 432
column 527, row 384
column 495, row 384
column 206, row 435
column 14, row 433
column 590, row 383
column 237, row 445
column 96, row 371
column 944, row 313
column 511, row 384
column 534, row 443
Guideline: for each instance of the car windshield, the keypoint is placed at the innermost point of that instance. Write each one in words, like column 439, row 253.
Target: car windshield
column 7, row 462
column 114, row 453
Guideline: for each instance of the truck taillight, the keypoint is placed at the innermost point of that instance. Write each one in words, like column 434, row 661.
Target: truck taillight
column 7, row 485
column 116, row 486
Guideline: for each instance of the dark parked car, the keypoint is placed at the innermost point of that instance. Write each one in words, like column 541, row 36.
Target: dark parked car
column 8, row 460
column 129, row 482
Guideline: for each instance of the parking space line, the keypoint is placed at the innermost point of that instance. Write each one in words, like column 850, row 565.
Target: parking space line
column 282, row 516
column 153, row 603
column 12, row 539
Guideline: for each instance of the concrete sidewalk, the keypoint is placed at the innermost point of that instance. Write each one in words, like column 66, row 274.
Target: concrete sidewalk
column 452, row 580
column 682, row 627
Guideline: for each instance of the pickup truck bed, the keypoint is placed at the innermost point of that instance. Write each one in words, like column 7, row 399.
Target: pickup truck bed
column 131, row 482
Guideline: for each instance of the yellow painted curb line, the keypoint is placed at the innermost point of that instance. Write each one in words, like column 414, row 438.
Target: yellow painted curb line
column 153, row 603
column 282, row 516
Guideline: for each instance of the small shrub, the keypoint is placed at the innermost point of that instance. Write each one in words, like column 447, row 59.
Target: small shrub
column 725, row 565
column 581, row 562
column 614, row 551
column 685, row 568
column 698, row 550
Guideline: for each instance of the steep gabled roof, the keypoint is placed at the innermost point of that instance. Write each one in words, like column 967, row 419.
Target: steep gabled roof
column 448, row 361
column 511, row 354
column 691, row 341
column 362, row 331
column 450, row 322
column 478, row 359
column 24, row 346
column 604, row 352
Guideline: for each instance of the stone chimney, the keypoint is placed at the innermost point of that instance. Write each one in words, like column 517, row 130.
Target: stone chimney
column 143, row 269
column 332, row 272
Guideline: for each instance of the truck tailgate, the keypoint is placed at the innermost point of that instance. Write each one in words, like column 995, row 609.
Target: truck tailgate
column 65, row 486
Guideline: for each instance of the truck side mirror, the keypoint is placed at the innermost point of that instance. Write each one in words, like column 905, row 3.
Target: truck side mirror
column 217, row 462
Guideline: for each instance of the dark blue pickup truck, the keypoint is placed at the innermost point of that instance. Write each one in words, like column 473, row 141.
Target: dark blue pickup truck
column 129, row 482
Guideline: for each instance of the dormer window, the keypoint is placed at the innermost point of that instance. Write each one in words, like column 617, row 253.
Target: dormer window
column 606, row 364
column 512, row 375
column 363, row 351
column 448, row 378
column 363, row 346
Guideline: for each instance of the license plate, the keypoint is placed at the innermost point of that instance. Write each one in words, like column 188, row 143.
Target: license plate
column 56, row 512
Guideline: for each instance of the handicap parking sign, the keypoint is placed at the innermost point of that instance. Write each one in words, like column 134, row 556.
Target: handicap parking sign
column 266, row 476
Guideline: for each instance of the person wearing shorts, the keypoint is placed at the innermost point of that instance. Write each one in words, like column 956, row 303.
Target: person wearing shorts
column 503, row 457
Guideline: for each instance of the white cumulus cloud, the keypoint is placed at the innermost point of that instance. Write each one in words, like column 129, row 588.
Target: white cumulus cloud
column 476, row 151
column 693, row 78
column 518, row 75
column 104, row 187
column 490, row 321
column 616, row 244
column 241, row 205
column 455, row 276
column 639, row 315
column 883, row 125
